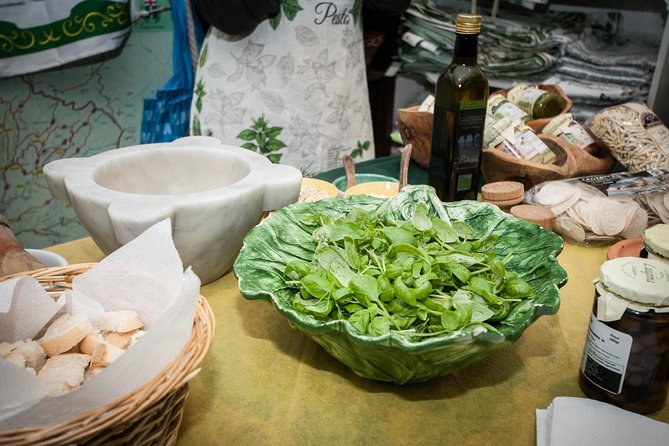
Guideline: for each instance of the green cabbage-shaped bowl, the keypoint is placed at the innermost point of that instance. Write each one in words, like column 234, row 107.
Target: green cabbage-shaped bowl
column 282, row 238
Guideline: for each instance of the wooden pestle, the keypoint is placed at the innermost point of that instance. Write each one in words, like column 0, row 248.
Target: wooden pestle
column 13, row 258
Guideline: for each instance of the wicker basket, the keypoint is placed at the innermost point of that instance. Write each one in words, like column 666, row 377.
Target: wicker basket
column 149, row 415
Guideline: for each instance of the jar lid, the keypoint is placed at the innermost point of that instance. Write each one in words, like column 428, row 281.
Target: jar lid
column 656, row 239
column 639, row 280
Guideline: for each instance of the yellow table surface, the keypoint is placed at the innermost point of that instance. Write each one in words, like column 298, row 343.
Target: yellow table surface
column 265, row 383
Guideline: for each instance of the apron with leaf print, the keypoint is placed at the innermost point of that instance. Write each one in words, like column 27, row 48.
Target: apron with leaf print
column 294, row 89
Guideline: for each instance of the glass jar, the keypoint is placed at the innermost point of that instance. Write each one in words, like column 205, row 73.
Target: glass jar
column 536, row 102
column 516, row 139
column 500, row 107
column 626, row 355
column 567, row 128
column 656, row 242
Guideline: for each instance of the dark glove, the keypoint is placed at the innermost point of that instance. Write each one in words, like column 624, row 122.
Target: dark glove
column 391, row 7
column 237, row 16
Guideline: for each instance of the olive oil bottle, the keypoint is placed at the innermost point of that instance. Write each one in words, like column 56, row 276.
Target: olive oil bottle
column 461, row 97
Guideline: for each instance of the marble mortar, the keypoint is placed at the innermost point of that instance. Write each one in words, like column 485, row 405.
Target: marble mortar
column 213, row 194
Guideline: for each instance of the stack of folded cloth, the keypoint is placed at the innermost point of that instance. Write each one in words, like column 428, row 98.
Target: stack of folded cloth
column 573, row 421
column 590, row 61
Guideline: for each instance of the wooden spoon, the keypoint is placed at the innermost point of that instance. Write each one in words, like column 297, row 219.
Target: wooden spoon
column 404, row 165
column 349, row 167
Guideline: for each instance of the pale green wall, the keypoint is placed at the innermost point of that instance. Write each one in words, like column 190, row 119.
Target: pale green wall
column 75, row 111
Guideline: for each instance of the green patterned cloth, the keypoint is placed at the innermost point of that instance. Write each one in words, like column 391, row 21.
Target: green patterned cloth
column 293, row 90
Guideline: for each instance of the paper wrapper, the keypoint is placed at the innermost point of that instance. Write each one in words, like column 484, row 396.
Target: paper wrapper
column 147, row 276
column 581, row 421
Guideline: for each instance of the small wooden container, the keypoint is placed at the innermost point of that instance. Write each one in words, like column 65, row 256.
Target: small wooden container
column 534, row 214
column 416, row 129
column 503, row 194
column 570, row 162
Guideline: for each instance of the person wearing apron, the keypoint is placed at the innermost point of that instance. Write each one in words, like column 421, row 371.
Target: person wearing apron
column 293, row 88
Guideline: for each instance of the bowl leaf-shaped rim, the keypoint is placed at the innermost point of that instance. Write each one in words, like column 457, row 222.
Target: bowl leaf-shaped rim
column 283, row 237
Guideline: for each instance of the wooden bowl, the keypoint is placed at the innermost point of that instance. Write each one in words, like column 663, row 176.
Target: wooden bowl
column 570, row 162
column 416, row 129
column 538, row 124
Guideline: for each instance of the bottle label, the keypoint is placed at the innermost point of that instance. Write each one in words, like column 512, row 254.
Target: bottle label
column 468, row 143
column 530, row 146
column 605, row 356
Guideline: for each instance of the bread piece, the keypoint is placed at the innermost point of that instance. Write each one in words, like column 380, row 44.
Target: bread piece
column 16, row 358
column 63, row 373
column 120, row 321
column 91, row 373
column 5, row 348
column 88, row 344
column 104, row 354
column 64, row 333
column 136, row 336
column 32, row 354
column 120, row 340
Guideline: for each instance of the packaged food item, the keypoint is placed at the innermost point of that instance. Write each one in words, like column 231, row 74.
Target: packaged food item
column 636, row 137
column 601, row 209
column 500, row 107
column 625, row 361
column 427, row 105
column 517, row 139
column 656, row 242
column 567, row 128
column 536, row 102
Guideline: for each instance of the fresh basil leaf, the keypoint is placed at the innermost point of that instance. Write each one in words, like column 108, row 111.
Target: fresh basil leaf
column 443, row 231
column 365, row 289
column 317, row 307
column 398, row 236
column 421, row 221
column 379, row 326
column 317, row 284
column 517, row 288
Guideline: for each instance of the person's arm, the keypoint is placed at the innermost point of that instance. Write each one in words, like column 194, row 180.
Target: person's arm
column 237, row 16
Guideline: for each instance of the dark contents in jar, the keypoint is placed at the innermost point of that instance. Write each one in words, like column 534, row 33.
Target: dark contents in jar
column 647, row 375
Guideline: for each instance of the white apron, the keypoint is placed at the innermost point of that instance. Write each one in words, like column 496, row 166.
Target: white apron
column 297, row 93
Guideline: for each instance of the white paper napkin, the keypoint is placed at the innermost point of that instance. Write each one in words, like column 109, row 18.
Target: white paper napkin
column 570, row 421
column 25, row 308
column 145, row 275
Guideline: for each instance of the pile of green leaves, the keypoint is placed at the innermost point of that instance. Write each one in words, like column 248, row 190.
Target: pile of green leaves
column 418, row 278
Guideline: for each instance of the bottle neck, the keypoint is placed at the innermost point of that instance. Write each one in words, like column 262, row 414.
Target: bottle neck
column 466, row 49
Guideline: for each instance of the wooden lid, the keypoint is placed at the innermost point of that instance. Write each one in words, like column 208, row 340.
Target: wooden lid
column 535, row 214
column 506, row 203
column 502, row 191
